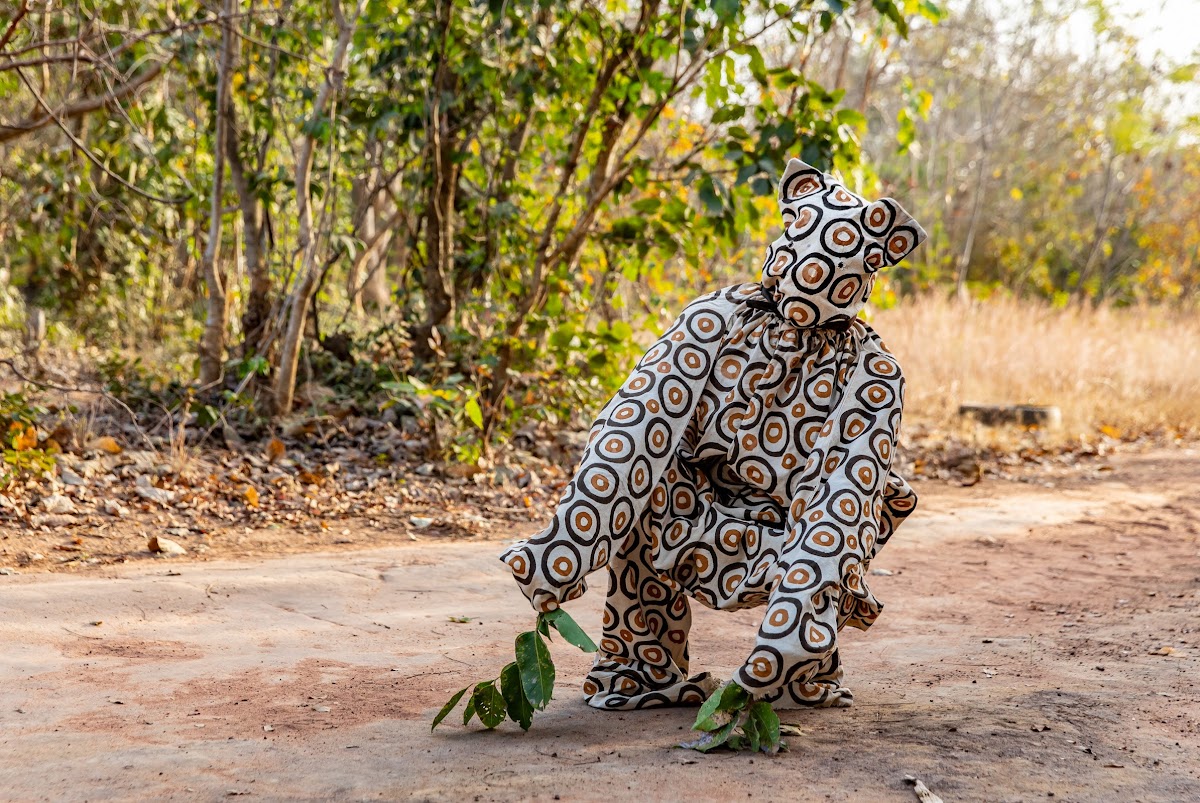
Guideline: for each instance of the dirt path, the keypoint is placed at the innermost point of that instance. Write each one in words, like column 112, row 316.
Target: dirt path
column 1018, row 659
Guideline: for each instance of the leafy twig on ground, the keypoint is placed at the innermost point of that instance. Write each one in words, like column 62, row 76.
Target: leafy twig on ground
column 730, row 718
column 524, row 685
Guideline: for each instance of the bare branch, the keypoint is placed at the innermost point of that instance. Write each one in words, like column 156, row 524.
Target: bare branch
column 78, row 108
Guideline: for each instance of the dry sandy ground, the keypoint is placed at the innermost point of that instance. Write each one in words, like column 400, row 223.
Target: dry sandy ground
column 1021, row 657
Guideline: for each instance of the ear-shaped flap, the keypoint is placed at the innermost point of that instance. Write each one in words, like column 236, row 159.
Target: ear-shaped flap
column 799, row 179
column 895, row 231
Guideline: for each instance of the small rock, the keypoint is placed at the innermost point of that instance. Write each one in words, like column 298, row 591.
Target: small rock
column 53, row 520
column 57, row 503
column 315, row 394
column 145, row 489
column 34, row 557
column 882, row 572
column 425, row 470
column 321, row 709
column 232, row 439
column 69, row 477
column 268, row 728
column 420, row 522
column 528, row 479
column 8, row 570
column 114, row 508
column 164, row 546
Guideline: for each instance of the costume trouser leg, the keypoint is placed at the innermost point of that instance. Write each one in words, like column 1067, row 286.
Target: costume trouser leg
column 643, row 658
column 818, row 684
column 833, row 533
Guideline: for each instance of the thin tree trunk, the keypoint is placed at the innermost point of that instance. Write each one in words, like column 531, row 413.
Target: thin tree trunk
column 296, row 306
column 439, row 204
column 212, row 342
column 964, row 258
column 1098, row 233
column 258, row 300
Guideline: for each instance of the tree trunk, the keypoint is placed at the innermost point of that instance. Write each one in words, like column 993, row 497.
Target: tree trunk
column 309, row 269
column 258, row 300
column 964, row 258
column 439, row 204
column 212, row 342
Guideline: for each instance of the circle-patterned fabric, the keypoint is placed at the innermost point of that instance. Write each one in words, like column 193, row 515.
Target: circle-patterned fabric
column 745, row 462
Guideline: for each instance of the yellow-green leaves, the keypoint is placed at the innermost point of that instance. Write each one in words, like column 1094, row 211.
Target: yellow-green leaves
column 473, row 411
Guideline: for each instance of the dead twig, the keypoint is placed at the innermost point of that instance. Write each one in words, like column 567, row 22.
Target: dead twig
column 921, row 790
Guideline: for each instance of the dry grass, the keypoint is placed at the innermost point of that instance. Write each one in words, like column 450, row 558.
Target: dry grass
column 1125, row 372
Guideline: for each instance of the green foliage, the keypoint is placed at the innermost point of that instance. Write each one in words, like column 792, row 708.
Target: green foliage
column 536, row 668
column 526, row 684
column 569, row 630
column 520, row 709
column 553, row 177
column 450, row 410
column 730, row 718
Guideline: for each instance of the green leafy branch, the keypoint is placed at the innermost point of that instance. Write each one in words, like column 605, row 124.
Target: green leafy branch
column 526, row 684
column 730, row 718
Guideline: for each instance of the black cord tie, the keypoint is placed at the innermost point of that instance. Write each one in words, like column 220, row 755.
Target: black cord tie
column 768, row 303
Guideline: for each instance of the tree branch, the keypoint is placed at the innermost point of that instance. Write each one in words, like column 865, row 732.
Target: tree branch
column 78, row 108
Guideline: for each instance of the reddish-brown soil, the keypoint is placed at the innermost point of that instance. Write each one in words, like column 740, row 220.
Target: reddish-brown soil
column 1038, row 643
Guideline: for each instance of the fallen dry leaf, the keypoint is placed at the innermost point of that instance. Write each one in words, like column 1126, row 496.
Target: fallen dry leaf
column 106, row 444
column 275, row 449
column 310, row 478
column 250, row 494
column 23, row 441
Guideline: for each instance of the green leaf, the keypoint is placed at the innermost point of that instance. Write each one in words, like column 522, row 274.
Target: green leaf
column 719, row 737
column 561, row 621
column 727, row 113
column 729, row 697
column 469, row 711
column 519, row 709
column 726, row 10
column 471, row 408
column 447, row 708
column 851, row 117
column 537, row 670
column 1183, row 74
column 709, row 197
column 768, row 726
column 489, row 704
column 751, row 729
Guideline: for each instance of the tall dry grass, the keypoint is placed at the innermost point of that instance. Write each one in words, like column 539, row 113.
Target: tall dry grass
column 1125, row 372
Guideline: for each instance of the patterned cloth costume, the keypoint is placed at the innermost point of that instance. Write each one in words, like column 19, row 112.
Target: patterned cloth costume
column 745, row 462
